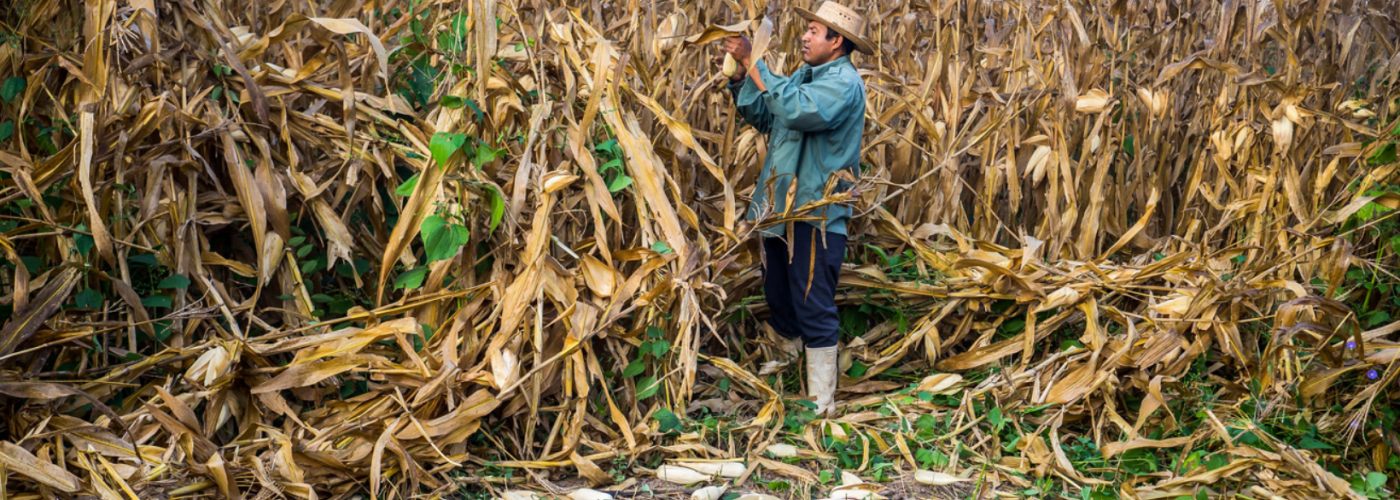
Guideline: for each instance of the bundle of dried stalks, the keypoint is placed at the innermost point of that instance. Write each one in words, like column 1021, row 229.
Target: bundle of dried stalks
column 266, row 249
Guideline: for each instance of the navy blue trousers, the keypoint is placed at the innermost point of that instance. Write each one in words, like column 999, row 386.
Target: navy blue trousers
column 799, row 306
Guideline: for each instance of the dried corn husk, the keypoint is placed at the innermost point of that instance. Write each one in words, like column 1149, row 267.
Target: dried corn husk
column 1093, row 101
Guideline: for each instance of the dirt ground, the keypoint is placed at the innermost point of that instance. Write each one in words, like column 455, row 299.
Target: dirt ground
column 904, row 488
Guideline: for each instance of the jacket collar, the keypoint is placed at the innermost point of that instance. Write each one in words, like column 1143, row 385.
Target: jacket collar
column 819, row 71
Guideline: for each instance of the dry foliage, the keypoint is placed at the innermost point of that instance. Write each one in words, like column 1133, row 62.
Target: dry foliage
column 271, row 249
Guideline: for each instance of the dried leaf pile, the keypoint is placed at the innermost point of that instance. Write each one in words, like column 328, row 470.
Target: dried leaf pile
column 394, row 249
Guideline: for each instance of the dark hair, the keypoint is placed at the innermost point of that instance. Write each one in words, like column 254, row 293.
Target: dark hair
column 847, row 46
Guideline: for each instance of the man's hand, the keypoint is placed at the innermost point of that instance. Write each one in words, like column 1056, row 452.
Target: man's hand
column 738, row 46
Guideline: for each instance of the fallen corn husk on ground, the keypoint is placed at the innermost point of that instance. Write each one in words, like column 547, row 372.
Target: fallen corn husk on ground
column 497, row 249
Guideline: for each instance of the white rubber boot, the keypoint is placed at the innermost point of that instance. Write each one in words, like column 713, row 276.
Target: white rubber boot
column 822, row 376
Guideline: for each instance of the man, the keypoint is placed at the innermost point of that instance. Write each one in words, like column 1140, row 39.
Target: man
column 814, row 120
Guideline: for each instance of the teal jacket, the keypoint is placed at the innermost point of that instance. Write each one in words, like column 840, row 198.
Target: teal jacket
column 815, row 121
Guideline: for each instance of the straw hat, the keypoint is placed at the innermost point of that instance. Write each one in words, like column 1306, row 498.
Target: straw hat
column 842, row 19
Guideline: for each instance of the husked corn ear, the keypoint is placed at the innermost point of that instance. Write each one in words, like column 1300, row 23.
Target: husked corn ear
column 725, row 469
column 730, row 65
column 708, row 493
column 936, row 478
column 588, row 494
column 680, row 475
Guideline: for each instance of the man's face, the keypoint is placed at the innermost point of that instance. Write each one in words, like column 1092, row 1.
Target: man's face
column 816, row 49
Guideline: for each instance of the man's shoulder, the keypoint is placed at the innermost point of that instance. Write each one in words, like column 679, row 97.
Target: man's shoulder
column 845, row 71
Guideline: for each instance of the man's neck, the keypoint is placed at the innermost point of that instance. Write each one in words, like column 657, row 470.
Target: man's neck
column 834, row 58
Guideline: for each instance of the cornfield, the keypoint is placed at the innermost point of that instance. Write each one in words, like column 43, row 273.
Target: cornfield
column 497, row 249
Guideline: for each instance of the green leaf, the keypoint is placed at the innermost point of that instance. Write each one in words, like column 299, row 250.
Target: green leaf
column 456, row 36
column 647, row 387
column 1384, row 156
column 668, row 420
column 655, row 332
column 611, row 164
column 156, row 301
column 11, row 88
column 858, row 369
column 88, row 299
column 476, row 109
column 1010, row 445
column 610, row 146
column 661, row 247
column 1216, row 461
column 304, row 251
column 443, row 145
column 82, row 241
column 660, row 347
column 322, row 298
column 286, row 297
column 422, row 82
column 411, row 279
column 995, row 418
column 498, row 208
column 342, row 305
column 925, row 457
column 296, row 241
column 441, row 239
column 926, row 422
column 619, row 183
column 1312, row 443
column 406, row 189
column 1376, row 318
column 487, row 154
column 634, row 369
column 451, row 101
column 1371, row 210
column 147, row 259
column 824, row 476
column 1375, row 480
column 7, row 129
column 162, row 327
column 724, row 384
column 174, row 281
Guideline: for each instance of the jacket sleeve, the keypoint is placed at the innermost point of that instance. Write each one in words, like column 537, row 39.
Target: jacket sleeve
column 805, row 107
column 748, row 99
